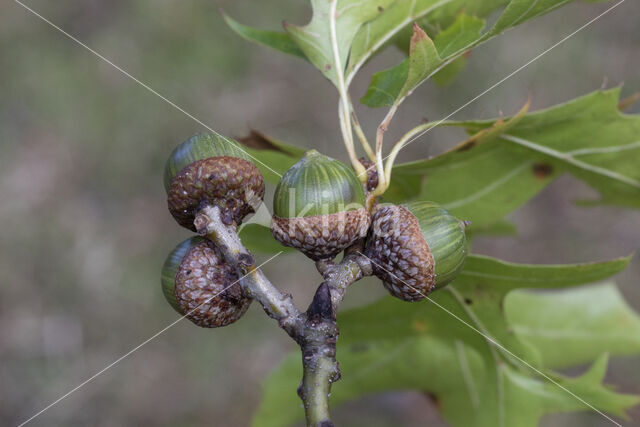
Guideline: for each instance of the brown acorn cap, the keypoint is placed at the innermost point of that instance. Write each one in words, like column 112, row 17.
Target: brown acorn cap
column 400, row 255
column 372, row 174
column 207, row 289
column 232, row 183
column 321, row 236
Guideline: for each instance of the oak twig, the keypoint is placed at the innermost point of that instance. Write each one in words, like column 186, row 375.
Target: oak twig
column 315, row 330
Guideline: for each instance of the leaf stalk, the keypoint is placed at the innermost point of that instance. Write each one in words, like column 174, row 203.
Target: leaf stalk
column 344, row 109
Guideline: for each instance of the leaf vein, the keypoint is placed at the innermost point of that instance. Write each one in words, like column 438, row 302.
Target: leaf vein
column 487, row 189
column 567, row 157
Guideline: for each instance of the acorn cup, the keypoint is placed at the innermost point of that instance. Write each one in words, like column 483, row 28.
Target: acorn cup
column 210, row 169
column 199, row 284
column 319, row 207
column 415, row 248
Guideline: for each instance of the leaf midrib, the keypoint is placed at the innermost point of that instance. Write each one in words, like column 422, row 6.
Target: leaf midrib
column 570, row 159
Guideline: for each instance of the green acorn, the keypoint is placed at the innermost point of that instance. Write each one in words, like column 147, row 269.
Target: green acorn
column 199, row 284
column 415, row 248
column 210, row 169
column 319, row 207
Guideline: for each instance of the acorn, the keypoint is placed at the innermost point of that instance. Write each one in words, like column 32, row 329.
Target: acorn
column 198, row 283
column 319, row 207
column 415, row 248
column 211, row 169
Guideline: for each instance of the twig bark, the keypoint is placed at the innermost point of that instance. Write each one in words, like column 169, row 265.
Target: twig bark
column 320, row 368
column 315, row 330
column 255, row 284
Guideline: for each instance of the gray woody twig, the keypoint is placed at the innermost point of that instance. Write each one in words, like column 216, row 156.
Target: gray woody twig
column 315, row 330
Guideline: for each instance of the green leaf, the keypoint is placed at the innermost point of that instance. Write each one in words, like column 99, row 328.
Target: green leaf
column 375, row 34
column 502, row 182
column 478, row 181
column 258, row 239
column 566, row 334
column 449, row 72
column 494, row 273
column 403, row 188
column 393, row 345
column 423, row 59
column 274, row 39
column 492, row 174
column 399, row 16
column 426, row 57
column 485, row 281
column 588, row 137
column 375, row 367
column 519, row 11
column 261, row 141
column 385, row 88
column 527, row 399
column 464, row 34
column 500, row 228
column 315, row 38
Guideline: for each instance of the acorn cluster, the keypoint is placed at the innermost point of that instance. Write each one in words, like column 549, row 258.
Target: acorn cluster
column 320, row 208
column 208, row 170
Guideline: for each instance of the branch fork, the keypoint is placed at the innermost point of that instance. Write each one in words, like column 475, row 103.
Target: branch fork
column 315, row 330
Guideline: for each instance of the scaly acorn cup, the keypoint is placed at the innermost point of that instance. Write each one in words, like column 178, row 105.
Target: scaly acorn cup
column 319, row 207
column 209, row 169
column 415, row 248
column 199, row 284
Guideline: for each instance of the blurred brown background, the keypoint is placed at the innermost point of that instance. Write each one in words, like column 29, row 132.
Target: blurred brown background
column 83, row 222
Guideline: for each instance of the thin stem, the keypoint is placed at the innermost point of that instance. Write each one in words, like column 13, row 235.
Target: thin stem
column 255, row 284
column 360, row 133
column 391, row 158
column 343, row 109
column 339, row 276
column 383, row 180
column 347, row 135
column 384, row 125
